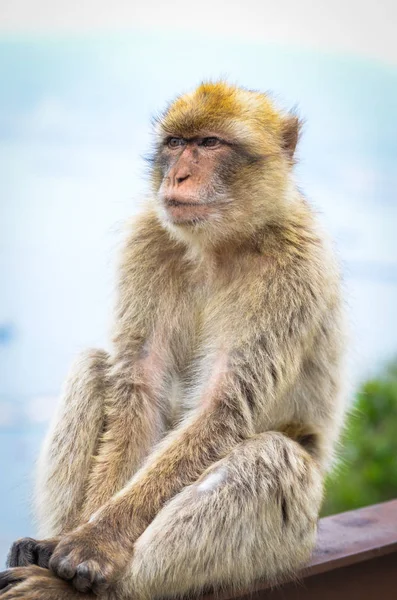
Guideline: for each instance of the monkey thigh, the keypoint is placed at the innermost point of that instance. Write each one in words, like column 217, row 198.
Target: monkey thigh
column 67, row 454
column 251, row 515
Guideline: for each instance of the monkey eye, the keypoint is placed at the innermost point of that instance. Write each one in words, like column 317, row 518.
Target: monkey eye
column 210, row 142
column 174, row 142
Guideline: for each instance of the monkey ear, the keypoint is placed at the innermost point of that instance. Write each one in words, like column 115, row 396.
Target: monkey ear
column 290, row 134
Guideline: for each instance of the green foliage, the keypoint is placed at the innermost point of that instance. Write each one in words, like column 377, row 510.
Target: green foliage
column 368, row 473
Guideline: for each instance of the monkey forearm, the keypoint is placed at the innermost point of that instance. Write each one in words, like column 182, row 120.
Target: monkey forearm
column 183, row 457
column 133, row 427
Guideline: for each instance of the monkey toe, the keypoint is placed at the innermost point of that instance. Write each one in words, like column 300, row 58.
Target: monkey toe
column 8, row 578
column 11, row 577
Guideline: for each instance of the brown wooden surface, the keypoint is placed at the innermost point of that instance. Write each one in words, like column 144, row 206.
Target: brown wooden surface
column 355, row 558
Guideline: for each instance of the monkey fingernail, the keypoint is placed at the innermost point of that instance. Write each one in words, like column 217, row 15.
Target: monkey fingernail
column 63, row 568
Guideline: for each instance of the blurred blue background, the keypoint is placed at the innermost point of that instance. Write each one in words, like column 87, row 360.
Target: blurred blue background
column 74, row 125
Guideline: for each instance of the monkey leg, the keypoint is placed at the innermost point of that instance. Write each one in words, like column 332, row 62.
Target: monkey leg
column 108, row 421
column 252, row 515
column 106, row 426
column 66, row 459
column 67, row 455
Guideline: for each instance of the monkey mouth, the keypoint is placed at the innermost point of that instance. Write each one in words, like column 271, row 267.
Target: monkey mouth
column 185, row 212
column 174, row 202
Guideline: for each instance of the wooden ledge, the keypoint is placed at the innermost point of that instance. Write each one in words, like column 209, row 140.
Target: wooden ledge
column 355, row 559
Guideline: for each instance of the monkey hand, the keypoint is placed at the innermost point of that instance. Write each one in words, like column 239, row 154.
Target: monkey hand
column 28, row 551
column 36, row 583
column 91, row 558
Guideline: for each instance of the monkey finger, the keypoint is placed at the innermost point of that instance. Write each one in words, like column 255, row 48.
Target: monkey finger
column 63, row 567
column 27, row 551
column 22, row 553
column 100, row 584
column 89, row 577
column 85, row 575
column 44, row 552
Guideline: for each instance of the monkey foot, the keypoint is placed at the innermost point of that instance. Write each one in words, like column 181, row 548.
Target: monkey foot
column 12, row 577
column 36, row 583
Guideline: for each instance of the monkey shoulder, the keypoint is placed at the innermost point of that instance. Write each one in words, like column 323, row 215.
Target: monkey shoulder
column 300, row 271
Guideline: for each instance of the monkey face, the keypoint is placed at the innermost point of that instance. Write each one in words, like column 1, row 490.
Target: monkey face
column 193, row 186
column 207, row 181
column 222, row 161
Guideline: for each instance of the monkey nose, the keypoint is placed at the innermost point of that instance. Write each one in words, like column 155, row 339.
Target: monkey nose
column 180, row 178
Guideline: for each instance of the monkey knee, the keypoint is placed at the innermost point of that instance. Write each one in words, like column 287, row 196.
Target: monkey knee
column 88, row 376
column 213, row 480
column 91, row 363
column 237, row 523
column 296, row 498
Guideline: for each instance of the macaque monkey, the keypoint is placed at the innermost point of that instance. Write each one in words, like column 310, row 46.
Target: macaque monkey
column 192, row 457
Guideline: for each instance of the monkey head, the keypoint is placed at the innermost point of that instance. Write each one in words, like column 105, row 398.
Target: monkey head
column 222, row 162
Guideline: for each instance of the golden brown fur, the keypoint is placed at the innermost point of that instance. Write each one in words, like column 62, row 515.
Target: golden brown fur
column 193, row 455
